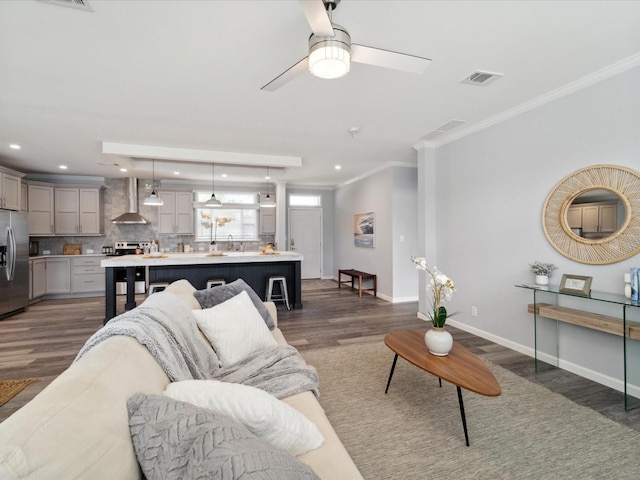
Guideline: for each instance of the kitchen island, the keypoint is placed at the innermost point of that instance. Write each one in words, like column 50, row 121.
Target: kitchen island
column 253, row 267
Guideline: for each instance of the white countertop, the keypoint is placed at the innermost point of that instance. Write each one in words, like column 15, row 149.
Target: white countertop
column 199, row 258
column 35, row 257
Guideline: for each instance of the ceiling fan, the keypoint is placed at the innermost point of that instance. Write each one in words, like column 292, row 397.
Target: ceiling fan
column 331, row 51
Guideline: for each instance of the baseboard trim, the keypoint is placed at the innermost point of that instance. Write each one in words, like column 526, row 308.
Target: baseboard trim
column 404, row 299
column 606, row 380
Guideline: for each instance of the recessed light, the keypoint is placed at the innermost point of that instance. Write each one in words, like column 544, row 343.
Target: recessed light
column 123, row 169
column 176, row 173
column 267, row 177
column 224, row 175
column 63, row 167
column 14, row 146
column 338, row 167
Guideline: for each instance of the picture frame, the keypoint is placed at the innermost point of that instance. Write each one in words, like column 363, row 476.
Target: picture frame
column 364, row 225
column 576, row 284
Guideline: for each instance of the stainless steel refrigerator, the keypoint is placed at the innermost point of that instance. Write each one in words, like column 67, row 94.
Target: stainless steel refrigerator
column 14, row 262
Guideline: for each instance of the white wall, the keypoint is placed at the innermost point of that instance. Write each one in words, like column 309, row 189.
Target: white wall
column 489, row 194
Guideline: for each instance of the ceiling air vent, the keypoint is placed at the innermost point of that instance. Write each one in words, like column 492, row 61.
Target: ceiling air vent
column 78, row 4
column 450, row 125
column 481, row 78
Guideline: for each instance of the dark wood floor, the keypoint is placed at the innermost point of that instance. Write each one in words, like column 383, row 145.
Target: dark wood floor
column 43, row 341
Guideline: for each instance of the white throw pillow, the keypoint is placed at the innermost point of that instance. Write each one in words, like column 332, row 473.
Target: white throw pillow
column 235, row 329
column 263, row 414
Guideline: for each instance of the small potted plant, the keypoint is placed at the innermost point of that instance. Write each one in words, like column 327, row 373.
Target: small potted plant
column 542, row 271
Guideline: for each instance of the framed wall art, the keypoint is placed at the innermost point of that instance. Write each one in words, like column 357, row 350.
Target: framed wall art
column 576, row 284
column 364, row 229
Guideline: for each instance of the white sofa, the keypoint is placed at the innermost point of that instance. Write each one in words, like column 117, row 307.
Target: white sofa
column 78, row 426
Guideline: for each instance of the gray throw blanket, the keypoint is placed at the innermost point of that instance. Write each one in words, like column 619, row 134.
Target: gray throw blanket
column 165, row 325
column 280, row 370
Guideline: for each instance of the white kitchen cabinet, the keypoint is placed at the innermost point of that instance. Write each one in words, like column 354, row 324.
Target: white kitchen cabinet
column 87, row 275
column 37, row 278
column 58, row 275
column 574, row 217
column 608, row 218
column 267, row 218
column 40, row 210
column 176, row 215
column 10, row 191
column 599, row 217
column 24, row 198
column 78, row 211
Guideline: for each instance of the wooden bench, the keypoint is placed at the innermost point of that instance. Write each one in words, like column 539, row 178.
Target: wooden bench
column 360, row 276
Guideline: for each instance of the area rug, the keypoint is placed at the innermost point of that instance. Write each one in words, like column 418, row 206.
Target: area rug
column 415, row 431
column 10, row 388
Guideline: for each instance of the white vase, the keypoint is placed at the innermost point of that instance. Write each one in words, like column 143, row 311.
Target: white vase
column 542, row 279
column 213, row 247
column 438, row 341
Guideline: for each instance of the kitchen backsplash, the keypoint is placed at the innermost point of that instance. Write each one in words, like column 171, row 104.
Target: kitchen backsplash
column 115, row 203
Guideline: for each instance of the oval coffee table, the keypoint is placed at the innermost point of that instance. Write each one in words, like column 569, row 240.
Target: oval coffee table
column 461, row 367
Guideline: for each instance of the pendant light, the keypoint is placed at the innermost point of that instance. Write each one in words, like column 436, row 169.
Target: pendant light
column 153, row 199
column 213, row 202
column 267, row 202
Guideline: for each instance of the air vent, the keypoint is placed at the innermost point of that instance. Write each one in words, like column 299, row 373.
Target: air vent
column 77, row 4
column 450, row 125
column 481, row 78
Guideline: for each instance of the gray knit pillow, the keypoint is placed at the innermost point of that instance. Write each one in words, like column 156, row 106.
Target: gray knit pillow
column 210, row 297
column 178, row 440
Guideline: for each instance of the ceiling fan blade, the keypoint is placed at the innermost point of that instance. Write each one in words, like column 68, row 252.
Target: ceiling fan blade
column 287, row 75
column 317, row 17
column 388, row 59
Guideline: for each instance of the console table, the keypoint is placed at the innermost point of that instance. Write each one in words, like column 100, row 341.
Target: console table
column 545, row 304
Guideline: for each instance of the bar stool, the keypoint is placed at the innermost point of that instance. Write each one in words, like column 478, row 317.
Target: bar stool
column 284, row 295
column 214, row 282
column 157, row 287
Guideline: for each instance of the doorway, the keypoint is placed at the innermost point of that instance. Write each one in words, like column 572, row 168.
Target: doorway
column 305, row 237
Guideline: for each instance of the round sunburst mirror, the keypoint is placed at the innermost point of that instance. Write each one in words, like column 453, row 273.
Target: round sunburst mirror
column 593, row 215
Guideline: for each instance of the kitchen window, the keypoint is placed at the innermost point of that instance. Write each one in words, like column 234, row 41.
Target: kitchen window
column 243, row 208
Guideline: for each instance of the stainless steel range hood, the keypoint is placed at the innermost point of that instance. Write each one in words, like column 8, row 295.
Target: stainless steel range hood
column 131, row 217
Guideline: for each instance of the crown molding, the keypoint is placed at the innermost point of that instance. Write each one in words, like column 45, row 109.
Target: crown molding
column 377, row 170
column 573, row 87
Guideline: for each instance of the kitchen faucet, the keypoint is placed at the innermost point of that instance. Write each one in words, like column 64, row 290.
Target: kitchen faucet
column 229, row 242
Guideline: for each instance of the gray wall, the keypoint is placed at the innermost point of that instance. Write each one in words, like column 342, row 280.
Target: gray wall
column 404, row 233
column 490, row 190
column 327, row 200
column 392, row 195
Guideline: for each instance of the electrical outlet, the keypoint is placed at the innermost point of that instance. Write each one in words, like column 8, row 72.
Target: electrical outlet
column 474, row 311
column 46, row 252
column 89, row 250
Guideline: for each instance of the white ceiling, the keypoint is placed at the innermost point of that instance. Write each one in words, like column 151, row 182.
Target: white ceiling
column 187, row 75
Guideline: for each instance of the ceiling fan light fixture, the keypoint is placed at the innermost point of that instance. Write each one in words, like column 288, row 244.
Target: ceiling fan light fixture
column 330, row 57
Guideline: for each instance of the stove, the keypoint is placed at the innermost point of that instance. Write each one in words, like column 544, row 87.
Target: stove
column 130, row 247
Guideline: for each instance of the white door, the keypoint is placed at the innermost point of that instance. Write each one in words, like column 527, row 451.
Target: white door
column 305, row 237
